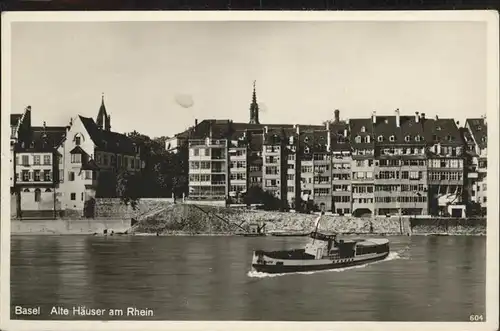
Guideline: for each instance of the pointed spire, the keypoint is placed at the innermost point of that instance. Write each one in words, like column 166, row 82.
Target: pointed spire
column 103, row 121
column 254, row 108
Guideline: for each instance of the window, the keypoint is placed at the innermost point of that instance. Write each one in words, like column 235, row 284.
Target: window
column 38, row 195
column 46, row 159
column 71, row 176
column 26, row 175
column 132, row 163
column 291, row 166
column 363, row 129
column 380, row 138
column 290, row 189
column 407, row 138
column 357, row 139
column 88, row 174
column 272, row 171
column 36, row 159
column 125, row 162
column 196, row 152
column 46, row 176
column 290, row 177
column 418, row 138
column 81, row 196
column 73, row 196
column 392, row 138
column 414, row 174
column 76, row 158
column 484, row 187
column 61, row 175
column 37, row 175
column 78, row 141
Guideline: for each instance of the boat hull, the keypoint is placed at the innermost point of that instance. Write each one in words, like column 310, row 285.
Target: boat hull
column 278, row 266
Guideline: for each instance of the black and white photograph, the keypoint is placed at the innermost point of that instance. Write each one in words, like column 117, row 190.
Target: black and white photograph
column 168, row 169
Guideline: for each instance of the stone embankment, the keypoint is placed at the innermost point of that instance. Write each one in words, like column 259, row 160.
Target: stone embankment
column 191, row 219
column 162, row 216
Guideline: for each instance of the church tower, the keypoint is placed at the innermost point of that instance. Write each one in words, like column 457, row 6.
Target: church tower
column 103, row 120
column 254, row 108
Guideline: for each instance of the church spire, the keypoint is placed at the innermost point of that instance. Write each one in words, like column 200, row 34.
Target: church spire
column 103, row 120
column 254, row 108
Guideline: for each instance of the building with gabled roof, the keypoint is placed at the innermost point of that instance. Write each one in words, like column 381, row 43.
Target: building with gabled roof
column 93, row 155
column 475, row 135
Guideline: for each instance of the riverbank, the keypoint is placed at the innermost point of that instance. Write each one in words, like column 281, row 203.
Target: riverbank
column 169, row 219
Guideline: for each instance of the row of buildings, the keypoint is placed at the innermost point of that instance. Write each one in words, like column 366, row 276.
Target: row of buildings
column 379, row 165
column 58, row 168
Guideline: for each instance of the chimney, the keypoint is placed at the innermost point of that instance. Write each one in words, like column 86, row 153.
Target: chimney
column 327, row 125
column 266, row 129
column 345, row 133
column 398, row 118
column 437, row 117
column 297, row 128
column 484, row 117
column 374, row 117
column 417, row 118
column 328, row 141
column 422, row 116
column 337, row 115
column 195, row 122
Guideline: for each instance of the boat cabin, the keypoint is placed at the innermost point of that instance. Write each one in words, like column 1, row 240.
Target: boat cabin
column 327, row 245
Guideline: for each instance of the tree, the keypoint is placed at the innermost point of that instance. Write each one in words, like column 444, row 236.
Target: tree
column 255, row 195
column 165, row 173
column 128, row 188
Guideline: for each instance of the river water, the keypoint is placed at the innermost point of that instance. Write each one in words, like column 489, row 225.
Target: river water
column 209, row 278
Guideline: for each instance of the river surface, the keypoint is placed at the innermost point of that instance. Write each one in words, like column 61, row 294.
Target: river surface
column 209, row 278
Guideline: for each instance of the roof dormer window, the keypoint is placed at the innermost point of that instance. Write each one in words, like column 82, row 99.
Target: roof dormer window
column 392, row 138
column 363, row 129
column 418, row 138
column 380, row 138
column 357, row 139
column 306, row 139
column 438, row 128
column 407, row 138
column 307, row 150
column 367, row 138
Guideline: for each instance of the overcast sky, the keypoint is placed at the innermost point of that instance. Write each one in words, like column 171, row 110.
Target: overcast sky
column 303, row 71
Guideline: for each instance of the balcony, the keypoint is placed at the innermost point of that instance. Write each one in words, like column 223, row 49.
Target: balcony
column 472, row 175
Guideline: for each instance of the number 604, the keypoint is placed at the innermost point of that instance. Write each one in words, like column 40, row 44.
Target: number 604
column 476, row 318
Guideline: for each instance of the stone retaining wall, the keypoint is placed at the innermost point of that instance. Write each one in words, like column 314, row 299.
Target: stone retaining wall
column 67, row 226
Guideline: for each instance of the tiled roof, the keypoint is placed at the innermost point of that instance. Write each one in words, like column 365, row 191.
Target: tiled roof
column 387, row 132
column 479, row 131
column 443, row 131
column 362, row 127
column 108, row 140
column 338, row 140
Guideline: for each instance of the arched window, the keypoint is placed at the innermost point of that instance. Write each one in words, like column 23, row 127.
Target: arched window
column 407, row 138
column 380, row 138
column 26, row 190
column 38, row 195
column 392, row 138
column 306, row 139
column 48, row 190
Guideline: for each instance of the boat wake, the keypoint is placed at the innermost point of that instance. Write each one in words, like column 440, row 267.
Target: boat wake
column 392, row 256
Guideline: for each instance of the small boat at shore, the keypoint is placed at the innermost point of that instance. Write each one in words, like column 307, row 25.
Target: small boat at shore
column 323, row 252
